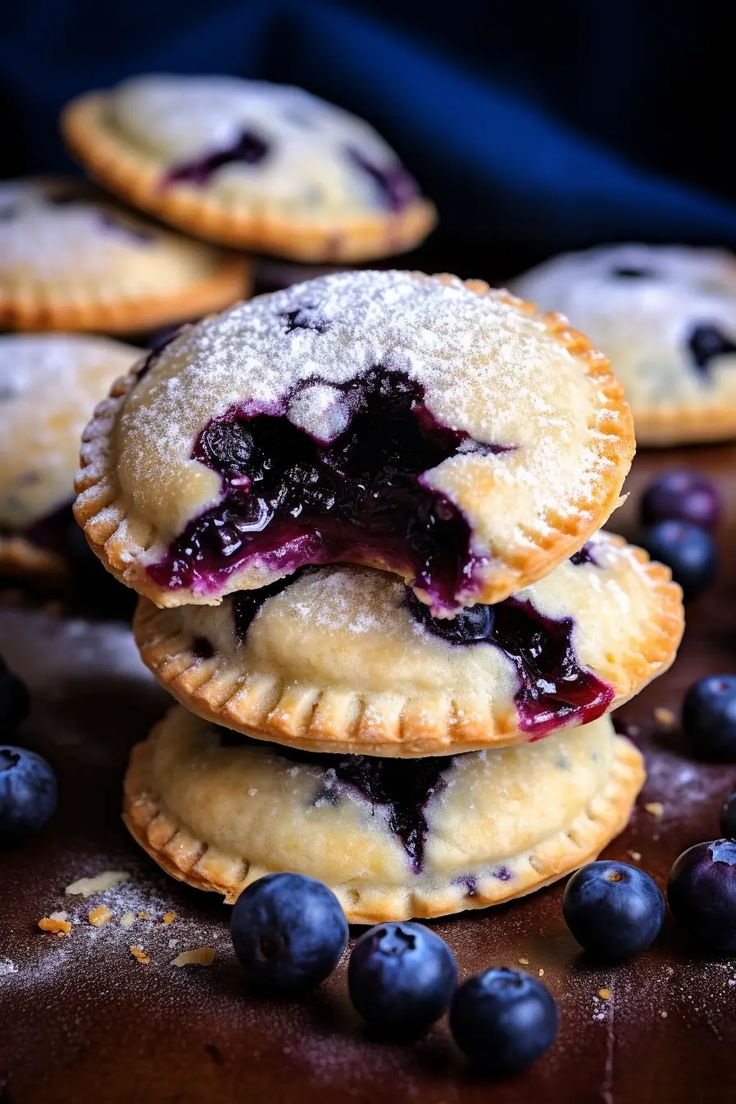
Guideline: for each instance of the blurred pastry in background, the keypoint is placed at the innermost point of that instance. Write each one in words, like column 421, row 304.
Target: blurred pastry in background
column 666, row 317
column 49, row 384
column 71, row 259
column 250, row 164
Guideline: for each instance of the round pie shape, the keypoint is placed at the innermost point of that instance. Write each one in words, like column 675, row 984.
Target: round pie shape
column 345, row 659
column 392, row 839
column 49, row 383
column 431, row 427
column 70, row 259
column 250, row 164
column 666, row 316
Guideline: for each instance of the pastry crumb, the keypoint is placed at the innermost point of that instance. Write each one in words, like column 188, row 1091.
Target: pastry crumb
column 57, row 923
column 100, row 915
column 523, row 960
column 86, row 887
column 142, row 915
column 127, row 920
column 654, row 808
column 140, row 955
column 664, row 716
column 663, row 1014
column 635, row 855
column 200, row 956
column 604, row 994
column 541, row 972
column 168, row 918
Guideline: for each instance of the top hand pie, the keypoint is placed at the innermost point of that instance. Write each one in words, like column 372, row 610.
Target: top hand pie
column 437, row 429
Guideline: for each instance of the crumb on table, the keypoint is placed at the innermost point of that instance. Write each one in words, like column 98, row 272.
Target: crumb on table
column 168, row 918
column 57, row 924
column 99, row 916
column 127, row 920
column 140, row 955
column 200, row 956
column 85, row 887
column 654, row 808
column 604, row 994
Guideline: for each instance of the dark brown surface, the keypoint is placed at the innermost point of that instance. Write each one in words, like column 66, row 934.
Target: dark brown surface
column 81, row 1020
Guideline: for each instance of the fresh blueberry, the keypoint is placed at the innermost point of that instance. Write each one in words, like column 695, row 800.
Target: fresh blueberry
column 13, row 700
column 702, row 894
column 728, row 817
column 503, row 1020
column 401, row 976
column 709, row 717
column 27, row 793
column 681, row 495
column 687, row 550
column 614, row 910
column 288, row 931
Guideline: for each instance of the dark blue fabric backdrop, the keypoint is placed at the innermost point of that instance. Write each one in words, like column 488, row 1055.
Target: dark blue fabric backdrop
column 535, row 127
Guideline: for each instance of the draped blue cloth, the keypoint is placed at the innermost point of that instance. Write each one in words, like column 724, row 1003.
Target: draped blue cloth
column 533, row 130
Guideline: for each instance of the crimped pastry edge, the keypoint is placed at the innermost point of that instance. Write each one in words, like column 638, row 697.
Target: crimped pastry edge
column 45, row 311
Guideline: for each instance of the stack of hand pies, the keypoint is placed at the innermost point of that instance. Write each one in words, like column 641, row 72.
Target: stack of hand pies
column 362, row 515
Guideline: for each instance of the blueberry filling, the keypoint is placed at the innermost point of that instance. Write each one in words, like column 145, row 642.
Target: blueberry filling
column 394, row 185
column 553, row 686
column 202, row 648
column 305, row 317
column 135, row 233
column 290, row 499
column 584, row 555
column 706, row 342
column 632, row 272
column 248, row 149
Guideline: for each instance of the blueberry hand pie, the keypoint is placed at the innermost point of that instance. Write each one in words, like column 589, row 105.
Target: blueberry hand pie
column 346, row 659
column 666, row 316
column 392, row 838
column 436, row 429
column 72, row 260
column 250, row 164
column 49, row 383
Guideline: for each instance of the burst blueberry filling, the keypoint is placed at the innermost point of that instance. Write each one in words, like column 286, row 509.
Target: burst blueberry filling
column 553, row 686
column 248, row 149
column 290, row 499
column 584, row 555
column 394, row 186
column 400, row 788
column 706, row 342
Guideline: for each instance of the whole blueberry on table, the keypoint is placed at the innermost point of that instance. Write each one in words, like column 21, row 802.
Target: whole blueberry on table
column 614, row 910
column 401, row 976
column 728, row 817
column 28, row 793
column 288, row 932
column 709, row 717
column 503, row 1020
column 681, row 495
column 686, row 549
column 702, row 894
column 13, row 700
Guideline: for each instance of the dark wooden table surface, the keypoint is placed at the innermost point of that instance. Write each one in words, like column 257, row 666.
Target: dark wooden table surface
column 81, row 1020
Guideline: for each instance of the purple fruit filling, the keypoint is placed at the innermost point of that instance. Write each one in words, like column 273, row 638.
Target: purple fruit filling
column 706, row 342
column 393, row 184
column 202, row 648
column 553, row 685
column 291, row 500
column 584, row 555
column 248, row 149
